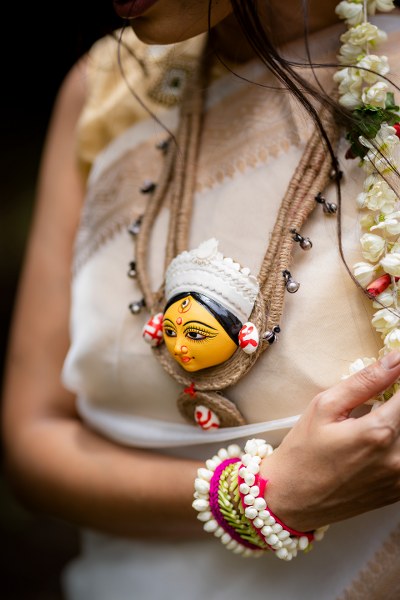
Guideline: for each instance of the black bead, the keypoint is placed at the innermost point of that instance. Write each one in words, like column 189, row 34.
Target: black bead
column 148, row 187
column 336, row 175
column 270, row 336
column 136, row 307
column 163, row 145
column 296, row 236
column 132, row 269
column 292, row 285
column 134, row 227
column 305, row 243
column 330, row 208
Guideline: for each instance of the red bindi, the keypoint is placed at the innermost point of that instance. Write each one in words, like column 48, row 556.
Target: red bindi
column 179, row 321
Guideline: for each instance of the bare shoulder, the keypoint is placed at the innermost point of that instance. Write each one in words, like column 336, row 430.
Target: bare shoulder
column 73, row 90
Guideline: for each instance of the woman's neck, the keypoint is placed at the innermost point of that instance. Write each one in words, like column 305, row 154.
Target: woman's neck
column 284, row 20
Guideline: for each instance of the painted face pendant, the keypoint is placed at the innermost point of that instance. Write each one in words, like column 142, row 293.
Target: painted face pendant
column 209, row 299
column 194, row 336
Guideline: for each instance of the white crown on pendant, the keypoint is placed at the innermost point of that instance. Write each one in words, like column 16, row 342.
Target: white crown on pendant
column 205, row 270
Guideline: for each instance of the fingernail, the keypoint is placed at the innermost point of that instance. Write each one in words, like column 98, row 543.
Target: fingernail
column 391, row 360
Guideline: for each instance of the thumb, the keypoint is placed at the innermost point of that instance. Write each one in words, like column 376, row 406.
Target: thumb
column 363, row 385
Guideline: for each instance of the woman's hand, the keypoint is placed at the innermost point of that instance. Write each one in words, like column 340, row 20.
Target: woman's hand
column 332, row 466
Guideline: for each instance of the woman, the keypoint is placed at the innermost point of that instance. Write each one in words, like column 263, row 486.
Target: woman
column 107, row 447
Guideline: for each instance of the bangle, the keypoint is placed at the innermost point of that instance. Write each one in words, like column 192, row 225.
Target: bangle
column 229, row 497
column 217, row 501
column 283, row 540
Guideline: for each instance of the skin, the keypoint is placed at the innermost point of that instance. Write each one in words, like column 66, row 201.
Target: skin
column 57, row 465
column 169, row 21
column 194, row 337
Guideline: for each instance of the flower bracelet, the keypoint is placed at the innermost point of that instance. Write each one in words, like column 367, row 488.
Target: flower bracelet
column 229, row 499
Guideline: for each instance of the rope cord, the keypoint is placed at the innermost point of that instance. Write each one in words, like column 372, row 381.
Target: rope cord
column 178, row 182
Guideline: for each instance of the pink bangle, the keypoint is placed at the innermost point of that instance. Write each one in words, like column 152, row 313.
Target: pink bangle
column 217, row 511
column 215, row 508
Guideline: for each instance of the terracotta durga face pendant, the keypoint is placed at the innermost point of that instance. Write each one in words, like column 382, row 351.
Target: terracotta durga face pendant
column 209, row 299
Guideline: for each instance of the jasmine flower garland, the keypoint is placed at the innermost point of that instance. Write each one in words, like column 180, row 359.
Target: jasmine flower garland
column 375, row 141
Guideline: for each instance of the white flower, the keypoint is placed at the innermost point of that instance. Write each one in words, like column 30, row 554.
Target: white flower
column 350, row 100
column 391, row 263
column 360, row 364
column 368, row 70
column 371, row 66
column 384, row 151
column 389, row 223
column 363, row 34
column 350, row 54
column 364, row 272
column 381, row 5
column 351, row 12
column 384, row 5
column 349, row 80
column 386, row 138
column 376, row 94
column 374, row 161
column 367, row 165
column 385, row 298
column 377, row 195
column 392, row 340
column 372, row 246
column 367, row 221
column 384, row 320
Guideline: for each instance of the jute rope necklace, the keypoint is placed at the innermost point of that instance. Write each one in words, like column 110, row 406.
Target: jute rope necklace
column 201, row 401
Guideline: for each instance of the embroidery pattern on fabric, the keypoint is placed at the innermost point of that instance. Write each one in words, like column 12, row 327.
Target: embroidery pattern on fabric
column 113, row 200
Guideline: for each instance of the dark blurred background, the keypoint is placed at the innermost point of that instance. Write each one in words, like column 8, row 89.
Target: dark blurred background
column 40, row 42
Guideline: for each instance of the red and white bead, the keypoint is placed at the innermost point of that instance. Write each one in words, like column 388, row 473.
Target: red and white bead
column 206, row 418
column 152, row 331
column 249, row 338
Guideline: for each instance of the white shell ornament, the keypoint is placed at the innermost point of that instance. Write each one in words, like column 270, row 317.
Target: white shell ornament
column 152, row 331
column 206, row 418
column 249, row 338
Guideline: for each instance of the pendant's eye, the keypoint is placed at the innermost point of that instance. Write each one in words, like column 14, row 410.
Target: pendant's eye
column 169, row 332
column 195, row 335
